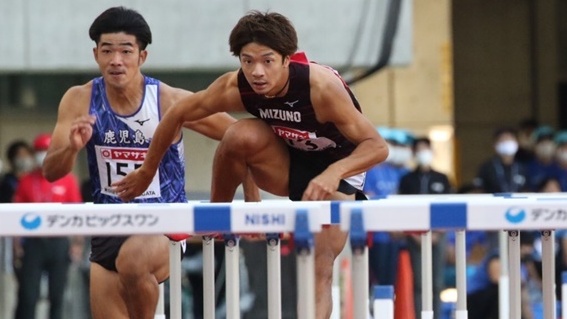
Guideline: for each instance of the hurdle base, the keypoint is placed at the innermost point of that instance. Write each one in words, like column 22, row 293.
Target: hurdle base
column 427, row 314
column 461, row 314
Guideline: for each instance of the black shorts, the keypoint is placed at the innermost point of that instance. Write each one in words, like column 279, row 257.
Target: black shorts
column 304, row 166
column 104, row 250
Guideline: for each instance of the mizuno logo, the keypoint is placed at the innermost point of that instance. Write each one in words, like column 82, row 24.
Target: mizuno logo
column 291, row 104
column 141, row 122
column 283, row 115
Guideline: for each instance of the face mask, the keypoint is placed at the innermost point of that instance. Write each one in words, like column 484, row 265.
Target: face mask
column 424, row 157
column 562, row 156
column 507, row 148
column 24, row 165
column 39, row 157
column 545, row 149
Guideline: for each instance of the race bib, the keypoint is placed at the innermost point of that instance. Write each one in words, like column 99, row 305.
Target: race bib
column 303, row 140
column 116, row 162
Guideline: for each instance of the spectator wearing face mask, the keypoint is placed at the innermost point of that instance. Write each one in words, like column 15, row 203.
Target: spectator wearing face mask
column 40, row 254
column 503, row 173
column 543, row 165
column 425, row 180
column 21, row 161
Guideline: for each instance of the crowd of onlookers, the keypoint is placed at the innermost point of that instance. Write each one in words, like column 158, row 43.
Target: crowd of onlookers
column 529, row 158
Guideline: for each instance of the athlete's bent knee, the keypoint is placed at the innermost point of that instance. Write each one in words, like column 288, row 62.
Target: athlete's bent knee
column 246, row 134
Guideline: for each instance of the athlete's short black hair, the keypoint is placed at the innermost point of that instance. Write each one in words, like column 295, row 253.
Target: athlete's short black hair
column 120, row 19
column 270, row 29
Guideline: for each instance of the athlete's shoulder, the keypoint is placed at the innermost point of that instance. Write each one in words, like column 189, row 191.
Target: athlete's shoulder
column 77, row 98
column 228, row 79
column 170, row 94
column 224, row 87
column 323, row 73
column 78, row 91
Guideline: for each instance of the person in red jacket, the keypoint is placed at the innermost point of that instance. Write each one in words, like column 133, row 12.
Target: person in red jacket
column 38, row 255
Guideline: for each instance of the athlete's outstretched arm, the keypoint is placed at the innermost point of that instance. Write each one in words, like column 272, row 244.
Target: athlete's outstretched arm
column 212, row 126
column 218, row 97
column 71, row 133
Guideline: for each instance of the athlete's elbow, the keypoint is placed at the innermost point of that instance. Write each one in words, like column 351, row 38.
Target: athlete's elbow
column 383, row 154
column 380, row 154
column 50, row 173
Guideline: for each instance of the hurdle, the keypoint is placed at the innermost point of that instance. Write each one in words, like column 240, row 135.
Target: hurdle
column 301, row 218
column 424, row 213
column 511, row 212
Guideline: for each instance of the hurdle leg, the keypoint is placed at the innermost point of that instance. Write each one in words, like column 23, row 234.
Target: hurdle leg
column 548, row 273
column 461, row 268
column 306, row 284
column 305, row 266
column 208, row 277
column 360, row 281
column 232, row 255
column 564, row 293
column 515, row 274
column 175, row 280
column 5, row 247
column 426, row 276
column 273, row 248
column 160, row 310
column 504, row 280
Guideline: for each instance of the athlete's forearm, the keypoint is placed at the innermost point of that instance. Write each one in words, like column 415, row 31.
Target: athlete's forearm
column 164, row 136
column 59, row 163
column 365, row 156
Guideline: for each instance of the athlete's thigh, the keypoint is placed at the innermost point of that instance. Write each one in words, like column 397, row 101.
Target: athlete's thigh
column 267, row 154
column 140, row 255
column 106, row 294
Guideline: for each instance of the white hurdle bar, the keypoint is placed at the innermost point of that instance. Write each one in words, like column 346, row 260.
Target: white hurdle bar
column 301, row 218
column 424, row 213
column 412, row 213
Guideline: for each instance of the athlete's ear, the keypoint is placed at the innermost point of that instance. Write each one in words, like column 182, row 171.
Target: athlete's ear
column 143, row 56
column 95, row 53
column 285, row 61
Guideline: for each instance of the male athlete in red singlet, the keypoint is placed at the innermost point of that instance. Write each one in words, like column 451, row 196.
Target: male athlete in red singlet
column 309, row 141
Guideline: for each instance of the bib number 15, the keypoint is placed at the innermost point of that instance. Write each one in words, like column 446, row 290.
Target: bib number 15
column 122, row 169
